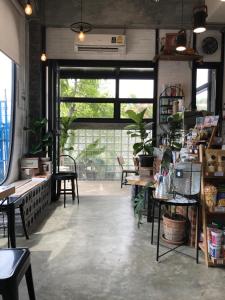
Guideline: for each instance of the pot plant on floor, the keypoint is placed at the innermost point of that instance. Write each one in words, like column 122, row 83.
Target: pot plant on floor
column 142, row 130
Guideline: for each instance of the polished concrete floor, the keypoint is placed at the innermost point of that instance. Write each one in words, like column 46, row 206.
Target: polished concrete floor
column 96, row 252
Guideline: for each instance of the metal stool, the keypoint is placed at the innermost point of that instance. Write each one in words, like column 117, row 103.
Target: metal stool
column 14, row 264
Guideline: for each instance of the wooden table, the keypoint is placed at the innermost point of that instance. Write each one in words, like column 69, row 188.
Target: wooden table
column 143, row 181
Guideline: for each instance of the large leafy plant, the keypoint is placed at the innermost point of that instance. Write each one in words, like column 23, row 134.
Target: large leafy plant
column 140, row 129
column 40, row 138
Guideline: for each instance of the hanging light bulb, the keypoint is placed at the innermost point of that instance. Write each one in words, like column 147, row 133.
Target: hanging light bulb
column 199, row 15
column 81, row 35
column 28, row 8
column 43, row 57
column 81, row 27
column 181, row 41
column 43, row 43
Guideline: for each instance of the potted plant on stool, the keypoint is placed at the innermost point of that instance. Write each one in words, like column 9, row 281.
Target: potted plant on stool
column 141, row 129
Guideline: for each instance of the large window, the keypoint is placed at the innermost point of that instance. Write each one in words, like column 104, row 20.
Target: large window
column 94, row 93
column 102, row 95
column 6, row 101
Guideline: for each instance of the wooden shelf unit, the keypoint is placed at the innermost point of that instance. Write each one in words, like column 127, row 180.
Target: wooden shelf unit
column 208, row 215
column 177, row 57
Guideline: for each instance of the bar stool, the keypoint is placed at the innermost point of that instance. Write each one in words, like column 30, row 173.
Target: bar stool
column 63, row 176
column 14, row 264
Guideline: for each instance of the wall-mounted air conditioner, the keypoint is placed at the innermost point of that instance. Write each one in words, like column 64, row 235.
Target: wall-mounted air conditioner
column 101, row 43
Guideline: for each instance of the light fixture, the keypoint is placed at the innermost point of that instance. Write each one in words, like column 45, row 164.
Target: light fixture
column 199, row 17
column 181, row 39
column 81, row 27
column 28, row 8
column 43, row 44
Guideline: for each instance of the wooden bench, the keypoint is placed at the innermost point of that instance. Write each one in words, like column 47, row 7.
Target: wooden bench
column 36, row 196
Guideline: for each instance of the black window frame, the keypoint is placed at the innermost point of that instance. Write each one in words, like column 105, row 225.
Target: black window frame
column 116, row 74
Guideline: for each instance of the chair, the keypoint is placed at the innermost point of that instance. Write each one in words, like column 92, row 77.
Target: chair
column 14, row 264
column 67, row 175
column 186, row 185
column 124, row 172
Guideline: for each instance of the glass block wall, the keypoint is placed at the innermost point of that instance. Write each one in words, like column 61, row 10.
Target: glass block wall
column 96, row 151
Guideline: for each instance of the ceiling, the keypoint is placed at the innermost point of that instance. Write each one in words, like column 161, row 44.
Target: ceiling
column 126, row 13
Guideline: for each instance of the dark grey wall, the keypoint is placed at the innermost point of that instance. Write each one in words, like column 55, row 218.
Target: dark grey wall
column 35, row 72
column 35, row 103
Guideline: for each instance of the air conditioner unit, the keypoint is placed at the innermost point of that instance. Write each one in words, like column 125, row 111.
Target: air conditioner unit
column 101, row 43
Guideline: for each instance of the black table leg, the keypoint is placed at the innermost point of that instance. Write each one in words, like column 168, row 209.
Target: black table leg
column 158, row 236
column 197, row 232
column 11, row 225
column 23, row 222
column 64, row 195
column 153, row 218
column 149, row 213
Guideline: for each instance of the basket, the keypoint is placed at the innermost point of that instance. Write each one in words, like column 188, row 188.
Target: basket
column 210, row 193
column 174, row 228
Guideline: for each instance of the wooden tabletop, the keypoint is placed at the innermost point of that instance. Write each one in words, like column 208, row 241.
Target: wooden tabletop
column 140, row 180
column 6, row 191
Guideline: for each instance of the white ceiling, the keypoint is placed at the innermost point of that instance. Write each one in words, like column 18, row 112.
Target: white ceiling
column 216, row 11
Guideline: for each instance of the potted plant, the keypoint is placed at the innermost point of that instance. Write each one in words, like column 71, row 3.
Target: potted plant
column 141, row 129
column 40, row 138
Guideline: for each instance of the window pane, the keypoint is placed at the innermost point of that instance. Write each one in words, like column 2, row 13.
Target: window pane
column 96, row 159
column 202, row 100
column 137, row 107
column 202, row 77
column 6, row 86
column 87, row 110
column 88, row 88
column 136, row 88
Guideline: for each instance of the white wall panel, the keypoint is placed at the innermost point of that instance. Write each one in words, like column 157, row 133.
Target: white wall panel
column 140, row 45
column 11, row 30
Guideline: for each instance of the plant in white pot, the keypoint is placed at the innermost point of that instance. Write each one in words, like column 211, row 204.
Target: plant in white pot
column 142, row 130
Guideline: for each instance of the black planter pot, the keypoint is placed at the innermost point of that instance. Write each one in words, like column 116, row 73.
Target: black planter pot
column 146, row 161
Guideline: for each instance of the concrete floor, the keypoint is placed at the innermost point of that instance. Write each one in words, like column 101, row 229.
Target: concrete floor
column 96, row 252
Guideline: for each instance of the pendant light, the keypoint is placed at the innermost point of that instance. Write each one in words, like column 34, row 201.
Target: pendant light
column 43, row 44
column 199, row 18
column 43, row 56
column 28, row 8
column 81, row 27
column 181, row 39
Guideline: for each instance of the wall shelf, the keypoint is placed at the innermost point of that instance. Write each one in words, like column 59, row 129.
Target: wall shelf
column 177, row 57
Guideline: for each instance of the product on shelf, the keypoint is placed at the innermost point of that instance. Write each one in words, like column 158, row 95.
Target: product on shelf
column 216, row 241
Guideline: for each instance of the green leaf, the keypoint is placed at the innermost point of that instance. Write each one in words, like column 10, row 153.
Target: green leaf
column 148, row 125
column 131, row 127
column 137, row 148
column 133, row 116
column 148, row 149
column 135, row 135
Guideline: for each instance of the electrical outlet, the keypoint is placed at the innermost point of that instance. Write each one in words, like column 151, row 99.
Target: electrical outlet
column 179, row 174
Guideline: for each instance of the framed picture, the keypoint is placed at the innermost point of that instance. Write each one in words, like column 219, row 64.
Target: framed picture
column 170, row 43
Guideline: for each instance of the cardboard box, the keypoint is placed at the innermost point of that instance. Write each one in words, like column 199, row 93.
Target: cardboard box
column 29, row 163
column 28, row 173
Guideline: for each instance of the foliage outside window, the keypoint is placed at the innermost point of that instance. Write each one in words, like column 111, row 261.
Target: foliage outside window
column 91, row 97
column 6, row 104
